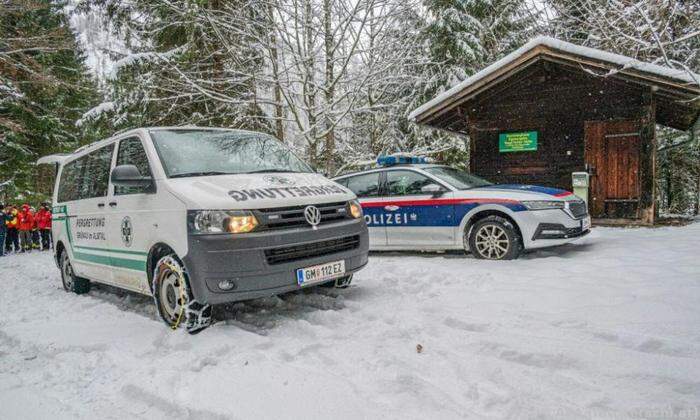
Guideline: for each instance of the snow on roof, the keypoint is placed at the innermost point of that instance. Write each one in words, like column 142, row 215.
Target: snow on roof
column 556, row 44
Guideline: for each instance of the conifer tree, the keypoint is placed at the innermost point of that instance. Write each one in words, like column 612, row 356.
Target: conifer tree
column 187, row 64
column 44, row 89
column 466, row 35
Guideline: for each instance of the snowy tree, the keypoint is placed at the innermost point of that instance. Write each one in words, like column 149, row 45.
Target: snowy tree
column 300, row 69
column 320, row 48
column 184, row 67
column 665, row 32
column 44, row 88
column 466, row 35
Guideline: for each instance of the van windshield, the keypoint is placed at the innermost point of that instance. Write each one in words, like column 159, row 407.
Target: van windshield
column 186, row 153
column 457, row 178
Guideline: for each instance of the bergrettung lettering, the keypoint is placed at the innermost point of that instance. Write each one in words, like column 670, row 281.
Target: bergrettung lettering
column 284, row 192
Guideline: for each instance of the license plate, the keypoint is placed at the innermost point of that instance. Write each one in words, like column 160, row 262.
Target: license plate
column 321, row 272
column 586, row 223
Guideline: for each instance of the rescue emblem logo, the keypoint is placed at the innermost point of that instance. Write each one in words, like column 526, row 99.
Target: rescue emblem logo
column 127, row 231
column 312, row 215
column 277, row 180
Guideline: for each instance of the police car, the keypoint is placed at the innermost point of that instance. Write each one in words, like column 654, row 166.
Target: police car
column 410, row 204
column 201, row 216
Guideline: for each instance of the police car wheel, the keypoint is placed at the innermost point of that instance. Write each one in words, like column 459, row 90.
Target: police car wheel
column 494, row 238
column 173, row 298
column 72, row 283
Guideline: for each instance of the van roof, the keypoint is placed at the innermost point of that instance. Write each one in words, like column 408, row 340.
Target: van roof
column 126, row 133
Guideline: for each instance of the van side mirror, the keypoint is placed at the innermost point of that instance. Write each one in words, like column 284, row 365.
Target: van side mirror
column 129, row 176
column 432, row 189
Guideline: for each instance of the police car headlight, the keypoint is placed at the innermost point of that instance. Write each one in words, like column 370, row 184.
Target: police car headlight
column 543, row 205
column 355, row 209
column 220, row 221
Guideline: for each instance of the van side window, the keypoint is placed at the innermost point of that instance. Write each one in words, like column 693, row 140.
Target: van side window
column 364, row 185
column 71, row 180
column 95, row 178
column 131, row 152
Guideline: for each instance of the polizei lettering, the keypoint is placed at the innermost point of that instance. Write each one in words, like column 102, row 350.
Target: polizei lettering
column 382, row 219
column 285, row 192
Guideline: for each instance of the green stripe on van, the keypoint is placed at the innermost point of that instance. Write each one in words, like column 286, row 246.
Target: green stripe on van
column 138, row 265
column 117, row 251
column 70, row 237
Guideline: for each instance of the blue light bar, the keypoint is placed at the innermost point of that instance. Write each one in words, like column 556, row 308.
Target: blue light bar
column 397, row 160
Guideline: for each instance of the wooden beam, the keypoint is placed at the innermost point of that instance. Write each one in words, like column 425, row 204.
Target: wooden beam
column 676, row 90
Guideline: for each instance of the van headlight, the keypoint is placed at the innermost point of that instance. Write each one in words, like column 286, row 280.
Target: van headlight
column 355, row 209
column 221, row 221
column 543, row 205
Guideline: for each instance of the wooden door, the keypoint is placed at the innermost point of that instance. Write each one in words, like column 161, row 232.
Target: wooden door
column 612, row 155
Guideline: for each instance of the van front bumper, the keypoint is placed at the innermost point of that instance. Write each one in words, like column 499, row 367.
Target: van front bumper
column 264, row 263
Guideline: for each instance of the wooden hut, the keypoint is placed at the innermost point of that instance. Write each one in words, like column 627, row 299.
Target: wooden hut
column 551, row 108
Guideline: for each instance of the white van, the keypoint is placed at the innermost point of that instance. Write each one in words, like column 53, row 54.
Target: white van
column 201, row 216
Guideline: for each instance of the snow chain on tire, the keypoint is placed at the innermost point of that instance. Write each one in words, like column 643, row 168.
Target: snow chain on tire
column 196, row 315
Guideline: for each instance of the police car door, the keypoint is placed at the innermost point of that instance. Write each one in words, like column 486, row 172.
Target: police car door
column 131, row 221
column 366, row 188
column 414, row 219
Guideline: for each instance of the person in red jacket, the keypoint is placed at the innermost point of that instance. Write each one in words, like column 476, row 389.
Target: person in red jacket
column 43, row 223
column 26, row 225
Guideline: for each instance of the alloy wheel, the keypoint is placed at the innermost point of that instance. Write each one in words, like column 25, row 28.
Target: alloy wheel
column 492, row 242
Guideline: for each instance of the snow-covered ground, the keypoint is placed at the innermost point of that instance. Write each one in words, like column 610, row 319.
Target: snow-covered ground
column 605, row 328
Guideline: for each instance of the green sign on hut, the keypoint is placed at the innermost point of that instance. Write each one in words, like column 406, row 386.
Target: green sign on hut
column 525, row 141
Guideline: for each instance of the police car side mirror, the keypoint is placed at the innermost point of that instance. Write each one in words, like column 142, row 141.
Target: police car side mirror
column 432, row 189
column 129, row 176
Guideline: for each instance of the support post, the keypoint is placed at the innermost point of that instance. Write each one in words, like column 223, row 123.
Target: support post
column 648, row 210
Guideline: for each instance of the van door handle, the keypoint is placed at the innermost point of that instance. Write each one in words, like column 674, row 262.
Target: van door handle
column 100, row 205
column 391, row 208
column 113, row 204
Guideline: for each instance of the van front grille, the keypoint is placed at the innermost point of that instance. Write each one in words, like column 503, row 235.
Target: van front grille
column 311, row 250
column 293, row 217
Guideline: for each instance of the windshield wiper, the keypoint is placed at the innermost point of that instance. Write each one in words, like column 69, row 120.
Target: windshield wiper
column 261, row 171
column 203, row 173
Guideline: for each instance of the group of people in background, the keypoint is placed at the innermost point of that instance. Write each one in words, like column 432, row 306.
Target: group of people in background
column 23, row 229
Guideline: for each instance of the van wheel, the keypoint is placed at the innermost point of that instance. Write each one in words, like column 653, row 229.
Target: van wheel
column 173, row 297
column 494, row 238
column 72, row 283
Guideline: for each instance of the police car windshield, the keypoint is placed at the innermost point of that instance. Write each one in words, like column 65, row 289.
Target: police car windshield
column 186, row 153
column 457, row 178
